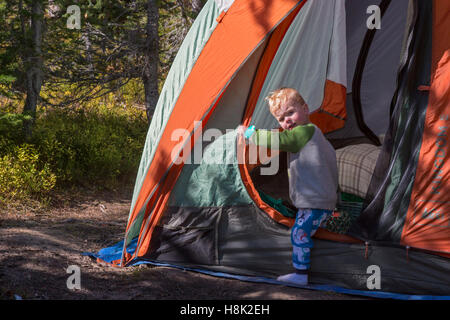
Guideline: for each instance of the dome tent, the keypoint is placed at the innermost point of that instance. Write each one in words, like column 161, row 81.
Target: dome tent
column 203, row 210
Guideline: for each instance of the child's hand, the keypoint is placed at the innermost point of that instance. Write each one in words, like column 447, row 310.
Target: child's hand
column 241, row 130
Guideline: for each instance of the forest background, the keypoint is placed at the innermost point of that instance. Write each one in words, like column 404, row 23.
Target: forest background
column 77, row 96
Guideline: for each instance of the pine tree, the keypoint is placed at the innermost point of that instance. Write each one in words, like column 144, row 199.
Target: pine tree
column 41, row 58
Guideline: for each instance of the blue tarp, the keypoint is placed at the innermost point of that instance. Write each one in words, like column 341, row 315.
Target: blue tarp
column 114, row 252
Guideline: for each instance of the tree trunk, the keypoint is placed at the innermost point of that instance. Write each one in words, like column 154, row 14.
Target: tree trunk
column 151, row 69
column 88, row 49
column 34, row 66
column 197, row 6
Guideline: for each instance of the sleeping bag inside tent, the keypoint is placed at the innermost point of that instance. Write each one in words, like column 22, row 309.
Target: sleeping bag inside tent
column 381, row 96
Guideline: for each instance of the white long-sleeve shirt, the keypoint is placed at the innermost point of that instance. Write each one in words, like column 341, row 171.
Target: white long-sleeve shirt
column 312, row 165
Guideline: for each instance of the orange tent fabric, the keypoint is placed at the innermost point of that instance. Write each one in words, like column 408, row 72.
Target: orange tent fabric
column 427, row 224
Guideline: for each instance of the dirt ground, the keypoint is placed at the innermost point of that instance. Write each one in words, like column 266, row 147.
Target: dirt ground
column 37, row 247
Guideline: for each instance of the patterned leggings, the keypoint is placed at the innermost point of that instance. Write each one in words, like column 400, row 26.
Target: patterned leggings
column 306, row 224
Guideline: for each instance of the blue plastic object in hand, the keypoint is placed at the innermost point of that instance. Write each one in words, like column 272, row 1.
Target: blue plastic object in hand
column 248, row 133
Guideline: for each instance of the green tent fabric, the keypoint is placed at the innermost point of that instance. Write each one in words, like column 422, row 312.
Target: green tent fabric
column 215, row 181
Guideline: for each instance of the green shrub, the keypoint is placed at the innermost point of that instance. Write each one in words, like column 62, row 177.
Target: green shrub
column 23, row 176
column 11, row 133
column 98, row 147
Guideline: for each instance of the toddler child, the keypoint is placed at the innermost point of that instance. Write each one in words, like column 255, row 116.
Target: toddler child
column 312, row 171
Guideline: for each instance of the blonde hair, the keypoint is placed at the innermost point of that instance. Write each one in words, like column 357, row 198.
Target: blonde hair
column 278, row 97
